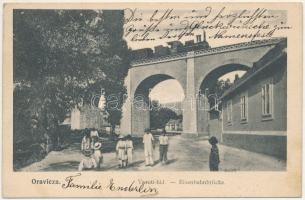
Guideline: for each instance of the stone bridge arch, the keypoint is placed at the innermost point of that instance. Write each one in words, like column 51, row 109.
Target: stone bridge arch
column 140, row 110
column 207, row 123
column 191, row 69
column 145, row 83
column 222, row 68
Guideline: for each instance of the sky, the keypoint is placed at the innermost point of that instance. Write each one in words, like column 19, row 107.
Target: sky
column 167, row 91
column 171, row 91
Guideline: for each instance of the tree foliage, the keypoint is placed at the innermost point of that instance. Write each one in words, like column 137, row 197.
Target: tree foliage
column 221, row 86
column 62, row 58
column 159, row 115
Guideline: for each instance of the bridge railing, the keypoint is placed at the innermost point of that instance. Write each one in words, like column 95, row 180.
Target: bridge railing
column 244, row 45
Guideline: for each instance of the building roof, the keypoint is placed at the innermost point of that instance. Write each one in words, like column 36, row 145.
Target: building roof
column 270, row 57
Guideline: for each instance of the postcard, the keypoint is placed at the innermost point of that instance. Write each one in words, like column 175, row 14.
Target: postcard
column 152, row 99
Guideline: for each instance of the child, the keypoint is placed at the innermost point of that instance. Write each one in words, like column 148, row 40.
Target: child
column 163, row 147
column 97, row 154
column 88, row 162
column 94, row 133
column 121, row 149
column 86, row 141
column 148, row 141
column 94, row 140
column 129, row 144
column 214, row 155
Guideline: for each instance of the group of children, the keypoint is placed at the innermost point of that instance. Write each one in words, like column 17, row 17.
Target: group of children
column 93, row 158
column 124, row 150
column 91, row 148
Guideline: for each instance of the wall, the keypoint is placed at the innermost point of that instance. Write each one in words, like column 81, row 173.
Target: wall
column 140, row 121
column 255, row 120
column 202, row 116
column 258, row 134
column 215, row 125
column 87, row 117
column 75, row 119
column 204, row 65
column 267, row 144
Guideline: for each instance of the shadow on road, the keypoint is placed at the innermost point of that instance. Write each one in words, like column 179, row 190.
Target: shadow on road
column 171, row 161
column 63, row 166
column 135, row 164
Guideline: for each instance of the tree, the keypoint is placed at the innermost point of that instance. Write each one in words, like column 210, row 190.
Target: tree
column 62, row 58
column 117, row 65
column 218, row 89
column 159, row 116
column 236, row 78
column 221, row 86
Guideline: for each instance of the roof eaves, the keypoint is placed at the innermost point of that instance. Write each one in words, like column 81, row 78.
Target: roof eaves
column 249, row 75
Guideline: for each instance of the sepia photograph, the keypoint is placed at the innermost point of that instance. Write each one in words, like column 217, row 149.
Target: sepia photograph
column 188, row 105
column 195, row 89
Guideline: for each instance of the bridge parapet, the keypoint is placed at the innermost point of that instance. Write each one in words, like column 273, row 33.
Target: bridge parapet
column 204, row 52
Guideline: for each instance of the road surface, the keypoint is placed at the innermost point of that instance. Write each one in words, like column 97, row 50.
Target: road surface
column 185, row 154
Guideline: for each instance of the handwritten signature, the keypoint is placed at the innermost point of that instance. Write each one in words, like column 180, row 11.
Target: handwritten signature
column 142, row 188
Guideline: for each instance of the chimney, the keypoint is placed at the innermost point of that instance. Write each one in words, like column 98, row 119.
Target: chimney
column 204, row 36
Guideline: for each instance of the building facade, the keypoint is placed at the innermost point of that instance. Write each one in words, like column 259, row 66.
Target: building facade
column 254, row 109
column 88, row 117
column 174, row 125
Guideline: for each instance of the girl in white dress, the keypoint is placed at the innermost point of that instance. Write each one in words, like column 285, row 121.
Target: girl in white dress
column 121, row 150
column 129, row 144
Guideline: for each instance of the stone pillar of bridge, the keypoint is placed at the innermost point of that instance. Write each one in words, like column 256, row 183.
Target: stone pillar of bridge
column 135, row 115
column 140, row 116
column 190, row 102
column 126, row 120
column 203, row 115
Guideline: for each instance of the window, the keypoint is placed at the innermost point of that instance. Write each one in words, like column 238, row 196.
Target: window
column 198, row 38
column 243, row 108
column 267, row 99
column 229, row 111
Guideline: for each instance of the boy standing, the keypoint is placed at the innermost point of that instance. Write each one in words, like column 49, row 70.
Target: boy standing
column 214, row 155
column 163, row 139
column 148, row 147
